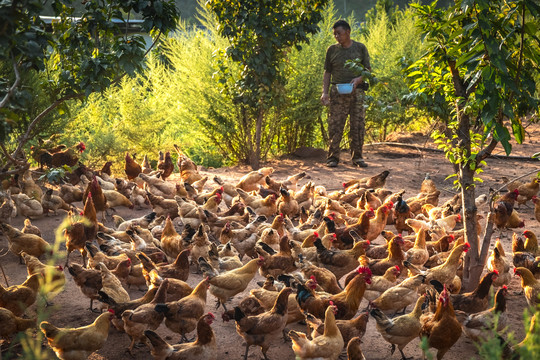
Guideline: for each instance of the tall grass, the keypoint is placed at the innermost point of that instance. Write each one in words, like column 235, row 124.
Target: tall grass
column 179, row 99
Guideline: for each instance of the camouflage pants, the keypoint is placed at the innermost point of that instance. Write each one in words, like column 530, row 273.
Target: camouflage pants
column 340, row 107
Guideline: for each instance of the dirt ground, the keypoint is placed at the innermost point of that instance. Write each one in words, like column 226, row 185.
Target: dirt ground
column 407, row 167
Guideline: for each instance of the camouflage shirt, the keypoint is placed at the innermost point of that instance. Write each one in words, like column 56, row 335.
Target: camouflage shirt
column 336, row 55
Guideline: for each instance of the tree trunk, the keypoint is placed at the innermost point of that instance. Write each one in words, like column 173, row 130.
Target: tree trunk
column 255, row 160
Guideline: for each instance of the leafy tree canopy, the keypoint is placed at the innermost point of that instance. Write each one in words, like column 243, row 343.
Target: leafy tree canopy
column 71, row 57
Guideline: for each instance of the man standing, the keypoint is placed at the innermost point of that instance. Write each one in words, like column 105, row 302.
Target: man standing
column 342, row 105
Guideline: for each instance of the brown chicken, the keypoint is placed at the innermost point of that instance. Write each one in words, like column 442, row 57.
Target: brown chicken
column 202, row 348
column 30, row 229
column 262, row 329
column 287, row 205
column 29, row 243
column 399, row 296
column 99, row 199
column 536, row 202
column 181, row 316
column 88, row 280
column 179, row 269
column 262, row 206
column 162, row 206
column 144, row 317
column 225, row 286
column 445, row 272
column 419, row 253
column 361, row 227
column 503, row 207
column 528, row 190
column 475, row 301
column 11, row 324
column 402, row 212
column 279, row 263
column 340, row 262
column 327, row 346
column 17, row 298
column 77, row 343
column 188, row 169
column 346, row 302
column 531, row 242
column 120, row 308
column 373, row 182
column 354, row 350
column 479, row 326
column 380, row 284
column 166, row 167
column 251, row 180
column 520, row 257
column 394, row 258
column 349, row 328
column 131, row 167
column 53, row 203
column 54, row 278
column 530, row 285
column 79, row 232
column 112, row 285
column 400, row 330
column 324, row 277
column 441, row 329
column 377, row 224
column 69, row 156
column 349, row 299
column 497, row 261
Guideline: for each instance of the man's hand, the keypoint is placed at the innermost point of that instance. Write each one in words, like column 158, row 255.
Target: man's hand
column 325, row 99
column 357, row 81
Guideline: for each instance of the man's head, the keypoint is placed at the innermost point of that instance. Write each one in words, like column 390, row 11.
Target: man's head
column 342, row 32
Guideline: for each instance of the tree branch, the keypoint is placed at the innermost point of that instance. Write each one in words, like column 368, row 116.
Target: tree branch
column 486, row 152
column 26, row 136
column 15, row 83
column 8, row 155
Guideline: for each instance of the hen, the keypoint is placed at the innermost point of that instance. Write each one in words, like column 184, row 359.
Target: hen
column 181, row 316
column 340, row 262
column 230, row 283
column 531, row 286
column 17, row 298
column 202, row 348
column 77, row 343
column 474, row 301
column 144, row 317
column 79, row 232
column 29, row 243
column 349, row 328
column 278, row 263
column 11, row 324
column 400, row 296
column 441, row 329
column 400, row 330
column 479, row 326
column 326, row 346
column 166, row 167
column 131, row 167
column 88, row 280
column 51, row 202
column 497, row 261
column 373, row 182
column 262, row 329
column 54, row 278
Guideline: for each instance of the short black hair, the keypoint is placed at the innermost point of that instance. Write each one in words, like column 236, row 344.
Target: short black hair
column 342, row 23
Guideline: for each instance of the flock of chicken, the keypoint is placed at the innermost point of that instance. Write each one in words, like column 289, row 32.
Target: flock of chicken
column 312, row 246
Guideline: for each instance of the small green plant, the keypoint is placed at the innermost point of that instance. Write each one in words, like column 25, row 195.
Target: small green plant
column 457, row 155
column 56, row 175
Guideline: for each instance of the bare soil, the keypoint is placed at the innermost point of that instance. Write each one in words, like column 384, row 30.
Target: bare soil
column 407, row 167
